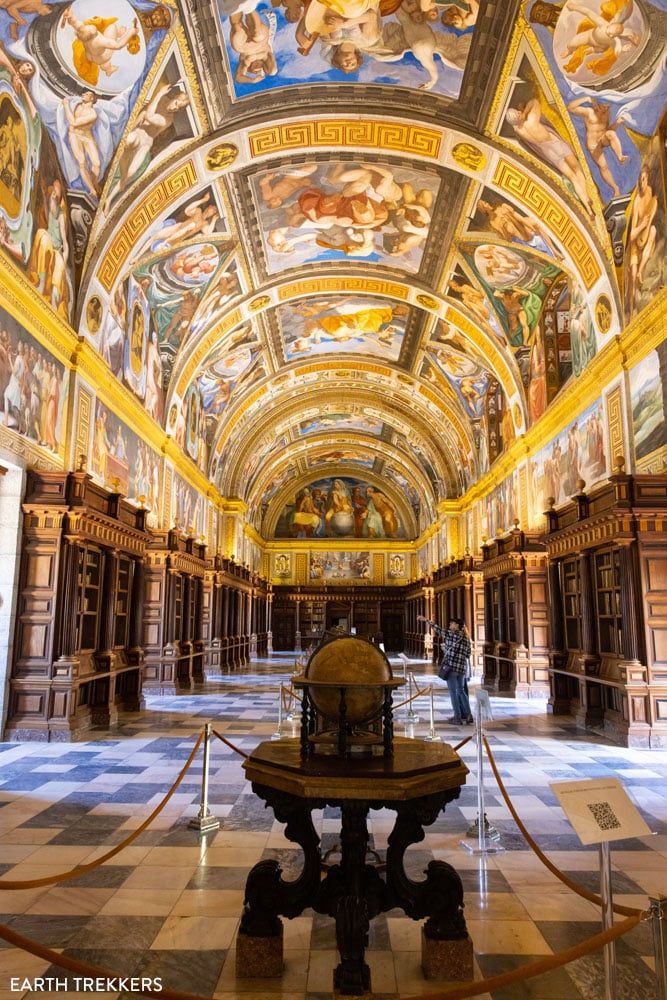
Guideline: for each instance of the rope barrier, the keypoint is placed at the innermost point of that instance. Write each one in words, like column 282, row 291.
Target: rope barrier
column 462, row 744
column 419, row 693
column 231, row 745
column 628, row 911
column 288, row 697
column 82, row 869
column 471, row 989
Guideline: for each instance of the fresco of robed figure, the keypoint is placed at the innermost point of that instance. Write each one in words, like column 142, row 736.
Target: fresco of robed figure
column 340, row 507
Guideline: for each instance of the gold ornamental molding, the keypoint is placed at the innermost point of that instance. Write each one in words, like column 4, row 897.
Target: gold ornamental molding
column 253, row 535
column 84, row 418
column 275, row 545
column 644, row 332
column 398, row 137
column 29, row 308
column 161, row 195
column 512, row 181
column 30, row 453
column 615, row 421
column 234, row 506
column 316, row 286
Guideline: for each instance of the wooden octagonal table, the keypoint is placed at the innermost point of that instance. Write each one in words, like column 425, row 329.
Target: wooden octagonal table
column 416, row 782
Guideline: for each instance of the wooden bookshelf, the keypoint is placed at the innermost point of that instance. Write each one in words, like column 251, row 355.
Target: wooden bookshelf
column 516, row 640
column 608, row 580
column 77, row 659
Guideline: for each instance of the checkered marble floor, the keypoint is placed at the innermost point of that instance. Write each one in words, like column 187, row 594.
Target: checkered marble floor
column 169, row 905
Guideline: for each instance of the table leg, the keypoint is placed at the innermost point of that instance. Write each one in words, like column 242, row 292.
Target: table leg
column 440, row 895
column 267, row 895
column 352, row 976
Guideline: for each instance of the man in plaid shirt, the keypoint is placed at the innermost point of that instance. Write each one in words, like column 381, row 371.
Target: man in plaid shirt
column 454, row 666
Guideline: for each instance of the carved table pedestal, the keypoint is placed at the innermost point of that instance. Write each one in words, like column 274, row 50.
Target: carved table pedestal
column 417, row 783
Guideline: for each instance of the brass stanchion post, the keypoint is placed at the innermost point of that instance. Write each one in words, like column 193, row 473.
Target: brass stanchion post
column 205, row 820
column 658, row 910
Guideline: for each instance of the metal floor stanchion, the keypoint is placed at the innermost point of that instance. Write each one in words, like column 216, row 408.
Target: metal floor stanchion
column 278, row 735
column 411, row 716
column 292, row 706
column 487, row 836
column 607, row 922
column 205, row 820
column 658, row 910
column 432, row 735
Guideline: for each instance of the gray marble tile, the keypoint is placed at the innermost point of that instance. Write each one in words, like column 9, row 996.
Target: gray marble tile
column 105, row 877
column 556, row 985
column 620, row 883
column 119, row 962
column 219, row 878
column 188, row 971
column 635, row 980
column 118, row 933
column 48, row 929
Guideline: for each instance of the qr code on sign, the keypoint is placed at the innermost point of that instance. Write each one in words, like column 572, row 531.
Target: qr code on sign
column 604, row 816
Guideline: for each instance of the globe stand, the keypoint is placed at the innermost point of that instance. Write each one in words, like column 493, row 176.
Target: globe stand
column 345, row 737
column 346, row 699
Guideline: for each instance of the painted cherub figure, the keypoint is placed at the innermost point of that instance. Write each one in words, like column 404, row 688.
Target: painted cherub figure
column 251, row 38
column 97, row 38
column 602, row 36
column 276, row 188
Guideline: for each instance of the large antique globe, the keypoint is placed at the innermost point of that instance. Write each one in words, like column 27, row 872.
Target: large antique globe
column 344, row 661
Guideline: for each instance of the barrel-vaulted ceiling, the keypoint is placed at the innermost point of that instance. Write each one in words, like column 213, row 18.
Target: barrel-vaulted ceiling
column 317, row 238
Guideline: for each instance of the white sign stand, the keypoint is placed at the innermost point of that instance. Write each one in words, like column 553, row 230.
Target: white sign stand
column 601, row 812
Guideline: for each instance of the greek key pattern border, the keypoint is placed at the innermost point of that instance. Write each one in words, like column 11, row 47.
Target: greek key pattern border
column 398, row 137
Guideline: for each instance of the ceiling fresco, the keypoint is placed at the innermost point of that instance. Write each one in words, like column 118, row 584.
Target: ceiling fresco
column 417, row 44
column 348, row 246
column 342, row 325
